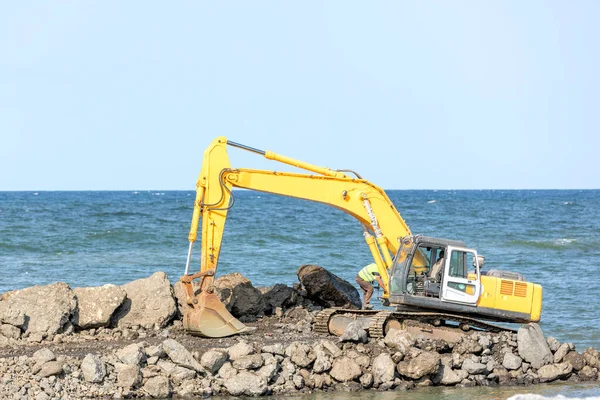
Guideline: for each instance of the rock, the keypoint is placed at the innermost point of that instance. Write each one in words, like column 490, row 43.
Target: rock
column 447, row 376
column 575, row 359
column 50, row 368
column 149, row 303
column 553, row 344
column 213, row 360
column 43, row 310
column 268, row 371
column 591, row 357
column 327, row 289
column 355, row 332
column 551, row 372
column 468, row 345
column 93, row 368
column 345, row 369
column 238, row 295
column 43, row 356
column 177, row 371
column 180, row 355
column 158, row 387
column 426, row 363
column 251, row 361
column 155, row 351
column 330, row 347
column 532, row 346
column 473, row 368
column 10, row 331
column 562, row 351
column 276, row 296
column 96, row 305
column 399, row 340
column 298, row 381
column 132, row 354
column 588, row 373
column 366, row 380
column 322, row 364
column 240, row 349
column 276, row 348
column 383, row 368
column 511, row 361
column 246, row 383
column 128, row 375
column 298, row 353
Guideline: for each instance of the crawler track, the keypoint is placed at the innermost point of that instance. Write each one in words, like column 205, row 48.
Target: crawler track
column 380, row 318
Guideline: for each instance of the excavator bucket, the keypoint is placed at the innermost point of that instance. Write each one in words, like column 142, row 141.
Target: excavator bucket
column 208, row 317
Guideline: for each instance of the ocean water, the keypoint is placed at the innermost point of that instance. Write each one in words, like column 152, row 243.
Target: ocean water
column 95, row 237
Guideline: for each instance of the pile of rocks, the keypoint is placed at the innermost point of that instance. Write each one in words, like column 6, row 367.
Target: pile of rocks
column 399, row 361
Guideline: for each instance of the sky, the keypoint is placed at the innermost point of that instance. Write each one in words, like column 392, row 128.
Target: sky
column 107, row 95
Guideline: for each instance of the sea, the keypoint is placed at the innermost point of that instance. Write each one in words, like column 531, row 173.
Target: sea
column 91, row 238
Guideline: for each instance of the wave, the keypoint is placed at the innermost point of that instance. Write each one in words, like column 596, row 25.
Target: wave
column 432, row 201
column 556, row 244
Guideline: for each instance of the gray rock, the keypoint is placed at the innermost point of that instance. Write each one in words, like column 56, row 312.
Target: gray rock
column 155, row 351
column 426, row 363
column 447, row 376
column 227, row 371
column 43, row 356
column 591, row 357
column 268, row 371
column 588, row 373
column 468, row 345
column 366, row 380
column 383, row 369
column 50, row 368
column 551, row 372
column 128, row 375
column 511, row 361
column 246, row 383
column 10, row 331
column 177, row 371
column 575, row 359
column 240, row 349
column 330, row 347
column 532, row 346
column 132, row 354
column 327, row 289
column 561, row 352
column 93, row 368
column 398, row 340
column 47, row 309
column 322, row 364
column 180, row 355
column 238, row 295
column 158, row 387
column 96, row 305
column 149, row 303
column 213, row 360
column 345, row 369
column 553, row 344
column 355, row 332
column 299, row 354
column 473, row 368
column 251, row 361
column 276, row 348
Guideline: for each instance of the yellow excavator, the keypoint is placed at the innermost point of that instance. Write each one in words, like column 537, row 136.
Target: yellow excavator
column 432, row 280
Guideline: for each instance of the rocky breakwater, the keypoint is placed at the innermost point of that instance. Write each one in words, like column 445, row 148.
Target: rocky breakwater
column 127, row 341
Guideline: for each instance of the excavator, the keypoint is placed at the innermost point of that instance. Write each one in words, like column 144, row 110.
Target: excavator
column 433, row 281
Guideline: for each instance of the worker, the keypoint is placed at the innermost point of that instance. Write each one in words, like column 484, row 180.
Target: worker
column 437, row 267
column 365, row 279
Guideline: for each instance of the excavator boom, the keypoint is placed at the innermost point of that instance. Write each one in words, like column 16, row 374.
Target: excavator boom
column 365, row 201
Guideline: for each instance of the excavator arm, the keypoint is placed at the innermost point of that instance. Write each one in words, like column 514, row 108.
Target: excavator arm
column 382, row 224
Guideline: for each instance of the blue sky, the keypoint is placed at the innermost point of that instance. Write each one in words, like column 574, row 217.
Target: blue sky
column 412, row 95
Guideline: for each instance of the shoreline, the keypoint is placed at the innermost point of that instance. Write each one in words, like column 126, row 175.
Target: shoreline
column 134, row 357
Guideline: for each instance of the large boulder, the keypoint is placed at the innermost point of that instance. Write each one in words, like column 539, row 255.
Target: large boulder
column 279, row 295
column 551, row 372
column 327, row 289
column 149, row 303
column 246, row 383
column 40, row 310
column 533, row 347
column 384, row 369
column 426, row 363
column 447, row 376
column 345, row 369
column 239, row 296
column 95, row 305
column 399, row 340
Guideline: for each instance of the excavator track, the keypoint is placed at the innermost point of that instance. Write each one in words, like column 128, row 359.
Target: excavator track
column 380, row 318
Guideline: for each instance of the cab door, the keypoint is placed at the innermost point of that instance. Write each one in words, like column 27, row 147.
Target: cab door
column 460, row 285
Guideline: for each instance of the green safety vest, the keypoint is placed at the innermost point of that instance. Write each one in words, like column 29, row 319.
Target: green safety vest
column 369, row 272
